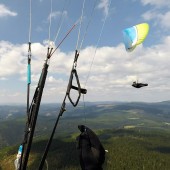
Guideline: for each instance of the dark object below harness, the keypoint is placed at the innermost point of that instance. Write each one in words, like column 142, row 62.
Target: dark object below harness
column 91, row 151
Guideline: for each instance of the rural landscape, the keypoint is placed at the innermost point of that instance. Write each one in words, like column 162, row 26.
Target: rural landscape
column 109, row 61
column 135, row 134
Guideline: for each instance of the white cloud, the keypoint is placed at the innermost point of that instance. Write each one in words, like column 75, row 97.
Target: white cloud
column 56, row 14
column 160, row 19
column 159, row 13
column 104, row 5
column 111, row 75
column 5, row 11
column 3, row 78
column 164, row 20
column 149, row 15
column 156, row 3
column 10, row 58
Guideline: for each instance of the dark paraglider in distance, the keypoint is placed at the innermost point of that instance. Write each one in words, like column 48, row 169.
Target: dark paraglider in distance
column 139, row 85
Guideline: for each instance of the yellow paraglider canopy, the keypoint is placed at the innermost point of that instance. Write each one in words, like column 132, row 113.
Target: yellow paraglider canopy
column 135, row 35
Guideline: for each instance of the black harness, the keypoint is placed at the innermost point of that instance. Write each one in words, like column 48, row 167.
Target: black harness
column 91, row 151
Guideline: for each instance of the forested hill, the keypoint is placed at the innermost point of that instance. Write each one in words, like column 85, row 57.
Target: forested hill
column 97, row 115
column 137, row 135
column 128, row 149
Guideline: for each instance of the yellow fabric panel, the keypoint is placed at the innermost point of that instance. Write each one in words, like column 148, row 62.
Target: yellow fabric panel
column 142, row 30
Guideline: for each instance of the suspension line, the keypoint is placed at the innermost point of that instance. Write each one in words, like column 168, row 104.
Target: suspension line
column 61, row 20
column 90, row 20
column 81, row 18
column 49, row 29
column 30, row 23
column 101, row 31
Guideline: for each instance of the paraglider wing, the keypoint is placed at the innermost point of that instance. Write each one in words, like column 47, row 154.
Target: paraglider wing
column 135, row 35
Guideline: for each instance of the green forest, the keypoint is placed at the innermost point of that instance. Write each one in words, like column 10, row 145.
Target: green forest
column 127, row 150
column 136, row 136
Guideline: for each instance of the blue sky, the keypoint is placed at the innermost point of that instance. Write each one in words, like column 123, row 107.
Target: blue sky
column 113, row 70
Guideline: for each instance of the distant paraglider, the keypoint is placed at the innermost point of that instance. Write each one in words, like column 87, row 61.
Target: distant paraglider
column 134, row 36
column 139, row 85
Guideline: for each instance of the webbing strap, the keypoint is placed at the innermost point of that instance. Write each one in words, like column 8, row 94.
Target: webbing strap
column 70, row 84
column 78, row 88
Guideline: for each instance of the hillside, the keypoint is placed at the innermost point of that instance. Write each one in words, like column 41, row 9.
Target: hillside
column 97, row 115
column 137, row 135
column 128, row 149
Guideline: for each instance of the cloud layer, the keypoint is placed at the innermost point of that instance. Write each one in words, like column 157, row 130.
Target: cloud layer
column 159, row 13
column 104, row 5
column 5, row 11
column 111, row 76
column 156, row 3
